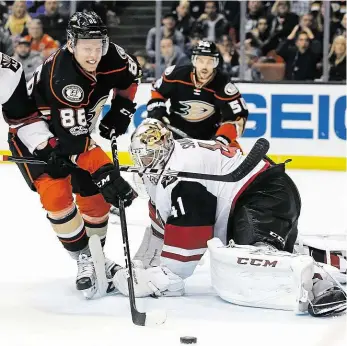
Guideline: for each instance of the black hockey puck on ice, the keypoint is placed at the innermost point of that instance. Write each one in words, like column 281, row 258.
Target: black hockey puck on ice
column 188, row 340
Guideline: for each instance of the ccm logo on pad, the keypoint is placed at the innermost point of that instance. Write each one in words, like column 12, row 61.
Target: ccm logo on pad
column 256, row 262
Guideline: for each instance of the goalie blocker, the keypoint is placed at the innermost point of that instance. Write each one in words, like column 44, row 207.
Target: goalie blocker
column 259, row 211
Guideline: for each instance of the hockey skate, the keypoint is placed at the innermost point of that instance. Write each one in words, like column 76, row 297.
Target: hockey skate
column 86, row 277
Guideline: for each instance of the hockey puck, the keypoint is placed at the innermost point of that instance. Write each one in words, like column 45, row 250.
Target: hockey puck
column 188, row 340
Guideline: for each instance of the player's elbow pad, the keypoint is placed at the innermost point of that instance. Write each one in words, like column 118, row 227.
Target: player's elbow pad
column 156, row 108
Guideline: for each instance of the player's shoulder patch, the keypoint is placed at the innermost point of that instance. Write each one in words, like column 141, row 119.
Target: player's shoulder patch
column 224, row 87
column 73, row 93
column 230, row 89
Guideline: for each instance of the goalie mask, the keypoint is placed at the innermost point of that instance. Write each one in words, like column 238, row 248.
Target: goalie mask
column 87, row 25
column 151, row 144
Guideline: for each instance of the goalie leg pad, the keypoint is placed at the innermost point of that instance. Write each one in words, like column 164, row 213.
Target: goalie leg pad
column 251, row 276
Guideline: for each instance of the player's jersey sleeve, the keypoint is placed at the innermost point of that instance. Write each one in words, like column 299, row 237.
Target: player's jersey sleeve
column 233, row 108
column 188, row 227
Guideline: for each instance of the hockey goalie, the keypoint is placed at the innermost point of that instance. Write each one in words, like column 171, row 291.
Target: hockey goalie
column 249, row 227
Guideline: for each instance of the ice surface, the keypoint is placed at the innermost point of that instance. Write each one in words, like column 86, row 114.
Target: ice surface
column 39, row 305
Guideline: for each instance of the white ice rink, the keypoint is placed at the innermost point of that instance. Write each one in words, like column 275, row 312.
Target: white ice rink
column 39, row 304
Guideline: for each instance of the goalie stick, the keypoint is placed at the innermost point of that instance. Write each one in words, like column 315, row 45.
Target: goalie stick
column 139, row 318
column 256, row 154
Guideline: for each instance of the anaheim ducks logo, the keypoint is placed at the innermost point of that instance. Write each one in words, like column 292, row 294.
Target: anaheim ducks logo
column 193, row 110
column 93, row 113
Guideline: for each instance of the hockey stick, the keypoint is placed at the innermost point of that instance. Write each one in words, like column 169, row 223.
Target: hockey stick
column 256, row 154
column 139, row 318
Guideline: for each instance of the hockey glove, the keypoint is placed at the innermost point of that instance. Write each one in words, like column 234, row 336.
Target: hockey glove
column 156, row 109
column 58, row 166
column 118, row 117
column 112, row 186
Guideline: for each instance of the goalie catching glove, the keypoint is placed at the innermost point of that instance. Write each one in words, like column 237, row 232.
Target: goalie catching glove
column 118, row 117
column 157, row 281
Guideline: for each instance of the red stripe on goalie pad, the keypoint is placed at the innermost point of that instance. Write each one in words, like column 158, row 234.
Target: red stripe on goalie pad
column 181, row 258
column 189, row 238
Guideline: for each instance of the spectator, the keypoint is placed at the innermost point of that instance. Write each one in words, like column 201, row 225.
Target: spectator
column 255, row 10
column 147, row 69
column 6, row 45
column 318, row 10
column 341, row 31
column 306, row 24
column 260, row 37
column 337, row 59
column 196, row 8
column 19, row 18
column 228, row 53
column 171, row 55
column 30, row 60
column 167, row 31
column 40, row 42
column 184, row 21
column 3, row 12
column 231, row 11
column 53, row 23
column 300, row 59
column 212, row 24
column 194, row 39
column 284, row 21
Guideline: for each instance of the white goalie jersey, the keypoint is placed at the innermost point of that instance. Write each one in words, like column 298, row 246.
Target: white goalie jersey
column 190, row 211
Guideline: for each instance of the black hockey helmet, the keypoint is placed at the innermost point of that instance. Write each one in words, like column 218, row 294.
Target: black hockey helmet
column 87, row 25
column 206, row 48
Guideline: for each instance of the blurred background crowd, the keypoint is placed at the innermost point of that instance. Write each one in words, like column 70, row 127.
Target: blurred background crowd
column 284, row 40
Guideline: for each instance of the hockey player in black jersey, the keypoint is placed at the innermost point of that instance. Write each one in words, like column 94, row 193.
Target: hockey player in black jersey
column 204, row 102
column 68, row 92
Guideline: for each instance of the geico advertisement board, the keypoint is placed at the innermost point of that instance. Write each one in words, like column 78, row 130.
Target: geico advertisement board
column 304, row 122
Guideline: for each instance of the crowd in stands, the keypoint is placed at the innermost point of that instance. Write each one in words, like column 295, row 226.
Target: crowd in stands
column 30, row 31
column 284, row 39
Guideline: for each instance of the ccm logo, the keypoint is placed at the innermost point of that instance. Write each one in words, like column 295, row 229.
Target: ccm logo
column 103, row 181
column 256, row 262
